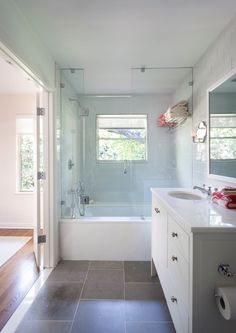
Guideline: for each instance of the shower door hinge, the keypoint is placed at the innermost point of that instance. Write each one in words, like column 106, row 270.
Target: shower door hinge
column 41, row 175
column 41, row 239
column 40, row 111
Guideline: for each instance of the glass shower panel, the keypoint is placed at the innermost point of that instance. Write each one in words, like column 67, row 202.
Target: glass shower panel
column 169, row 162
column 71, row 87
column 107, row 149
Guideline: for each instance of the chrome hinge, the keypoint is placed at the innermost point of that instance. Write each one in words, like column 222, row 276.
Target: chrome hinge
column 41, row 175
column 41, row 239
column 40, row 111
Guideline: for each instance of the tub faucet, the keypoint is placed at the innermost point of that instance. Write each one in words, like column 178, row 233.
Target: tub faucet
column 125, row 167
column 203, row 189
column 80, row 188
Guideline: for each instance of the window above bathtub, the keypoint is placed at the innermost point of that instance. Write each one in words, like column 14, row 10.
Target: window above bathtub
column 121, row 137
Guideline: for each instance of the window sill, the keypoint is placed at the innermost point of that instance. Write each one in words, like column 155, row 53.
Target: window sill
column 24, row 193
column 121, row 161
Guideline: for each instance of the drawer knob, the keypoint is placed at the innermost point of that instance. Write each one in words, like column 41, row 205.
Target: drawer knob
column 174, row 234
column 174, row 258
column 157, row 210
column 173, row 299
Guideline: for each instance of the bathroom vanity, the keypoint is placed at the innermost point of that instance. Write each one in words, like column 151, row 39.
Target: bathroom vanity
column 190, row 238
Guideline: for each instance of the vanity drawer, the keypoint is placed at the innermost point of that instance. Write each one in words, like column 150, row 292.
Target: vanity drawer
column 178, row 237
column 178, row 311
column 178, row 272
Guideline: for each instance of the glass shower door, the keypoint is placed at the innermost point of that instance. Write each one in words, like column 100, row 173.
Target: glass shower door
column 71, row 88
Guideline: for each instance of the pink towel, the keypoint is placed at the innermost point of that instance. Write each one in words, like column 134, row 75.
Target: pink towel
column 224, row 200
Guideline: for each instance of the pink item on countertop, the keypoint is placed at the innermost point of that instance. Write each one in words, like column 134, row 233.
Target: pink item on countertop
column 224, row 199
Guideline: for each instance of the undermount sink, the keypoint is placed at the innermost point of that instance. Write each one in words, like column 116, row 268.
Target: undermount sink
column 185, row 195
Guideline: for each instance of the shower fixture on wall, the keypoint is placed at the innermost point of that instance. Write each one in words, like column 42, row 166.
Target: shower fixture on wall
column 70, row 164
column 125, row 171
column 78, row 199
column 84, row 110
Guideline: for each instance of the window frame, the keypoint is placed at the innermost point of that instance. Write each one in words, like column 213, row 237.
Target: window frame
column 120, row 161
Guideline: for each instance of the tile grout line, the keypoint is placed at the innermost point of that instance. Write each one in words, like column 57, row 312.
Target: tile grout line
column 140, row 282
column 124, row 298
column 150, row 322
column 49, row 320
column 105, row 269
column 102, row 299
column 80, row 297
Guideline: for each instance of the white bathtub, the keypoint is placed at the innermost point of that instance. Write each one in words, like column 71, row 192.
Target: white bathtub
column 106, row 237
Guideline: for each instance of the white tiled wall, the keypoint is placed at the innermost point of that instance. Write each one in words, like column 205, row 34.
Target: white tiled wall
column 106, row 182
column 219, row 59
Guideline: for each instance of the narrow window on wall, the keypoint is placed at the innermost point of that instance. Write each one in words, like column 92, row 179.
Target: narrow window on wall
column 25, row 153
column 121, row 137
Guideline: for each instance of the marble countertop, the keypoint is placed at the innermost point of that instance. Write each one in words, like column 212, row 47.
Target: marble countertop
column 197, row 215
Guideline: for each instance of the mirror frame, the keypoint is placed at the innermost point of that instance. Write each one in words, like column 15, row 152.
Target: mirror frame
column 210, row 89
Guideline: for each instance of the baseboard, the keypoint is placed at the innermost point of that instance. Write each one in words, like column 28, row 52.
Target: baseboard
column 16, row 226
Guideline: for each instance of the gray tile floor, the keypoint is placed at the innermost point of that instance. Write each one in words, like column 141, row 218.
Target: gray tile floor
column 99, row 297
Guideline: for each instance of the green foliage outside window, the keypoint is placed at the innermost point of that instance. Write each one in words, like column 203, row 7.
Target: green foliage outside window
column 26, row 163
column 223, row 143
column 122, row 144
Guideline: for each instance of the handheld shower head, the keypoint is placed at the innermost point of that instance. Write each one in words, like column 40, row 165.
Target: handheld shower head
column 84, row 111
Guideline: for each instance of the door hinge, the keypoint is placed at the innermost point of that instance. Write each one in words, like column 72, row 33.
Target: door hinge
column 41, row 239
column 40, row 111
column 41, row 175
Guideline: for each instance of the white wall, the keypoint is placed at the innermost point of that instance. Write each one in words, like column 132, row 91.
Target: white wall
column 16, row 210
column 18, row 36
column 216, row 62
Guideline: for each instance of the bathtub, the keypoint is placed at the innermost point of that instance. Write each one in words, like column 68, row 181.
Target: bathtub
column 104, row 235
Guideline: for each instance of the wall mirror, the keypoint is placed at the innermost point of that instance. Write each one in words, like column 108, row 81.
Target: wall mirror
column 222, row 128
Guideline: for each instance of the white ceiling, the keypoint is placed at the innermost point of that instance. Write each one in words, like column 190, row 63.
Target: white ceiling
column 109, row 37
column 13, row 80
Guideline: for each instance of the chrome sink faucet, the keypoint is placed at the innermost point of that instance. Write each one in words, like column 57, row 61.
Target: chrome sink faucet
column 203, row 189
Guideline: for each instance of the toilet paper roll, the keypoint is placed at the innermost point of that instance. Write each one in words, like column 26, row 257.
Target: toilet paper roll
column 226, row 301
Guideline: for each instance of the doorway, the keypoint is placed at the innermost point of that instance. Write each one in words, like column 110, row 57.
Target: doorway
column 24, row 207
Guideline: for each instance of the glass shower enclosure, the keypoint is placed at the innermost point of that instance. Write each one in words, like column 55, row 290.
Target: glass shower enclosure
column 112, row 147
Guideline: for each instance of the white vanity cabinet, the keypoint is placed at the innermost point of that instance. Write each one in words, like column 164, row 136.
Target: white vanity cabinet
column 186, row 256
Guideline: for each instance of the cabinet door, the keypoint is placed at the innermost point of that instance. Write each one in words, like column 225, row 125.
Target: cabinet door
column 159, row 238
